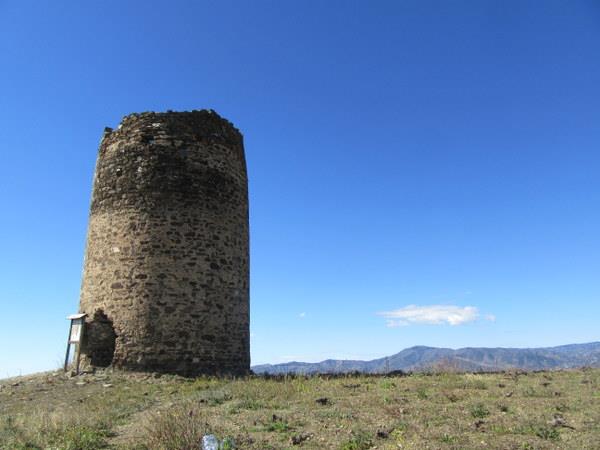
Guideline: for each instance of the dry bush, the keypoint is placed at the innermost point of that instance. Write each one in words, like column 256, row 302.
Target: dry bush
column 178, row 428
column 60, row 429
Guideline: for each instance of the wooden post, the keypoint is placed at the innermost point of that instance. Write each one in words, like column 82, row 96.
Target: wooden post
column 68, row 346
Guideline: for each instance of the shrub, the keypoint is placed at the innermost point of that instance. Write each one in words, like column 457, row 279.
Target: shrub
column 548, row 433
column 176, row 429
column 479, row 411
column 422, row 393
column 360, row 440
column 449, row 439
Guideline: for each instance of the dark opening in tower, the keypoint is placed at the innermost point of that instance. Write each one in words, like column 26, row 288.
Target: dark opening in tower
column 100, row 340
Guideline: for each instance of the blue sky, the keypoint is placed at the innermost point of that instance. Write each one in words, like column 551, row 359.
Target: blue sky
column 421, row 173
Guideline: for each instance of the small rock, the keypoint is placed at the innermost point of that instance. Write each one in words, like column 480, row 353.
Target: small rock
column 382, row 434
column 509, row 394
column 107, row 385
column 322, row 401
column 559, row 421
column 300, row 438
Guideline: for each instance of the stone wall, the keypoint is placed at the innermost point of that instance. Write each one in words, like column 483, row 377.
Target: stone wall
column 166, row 261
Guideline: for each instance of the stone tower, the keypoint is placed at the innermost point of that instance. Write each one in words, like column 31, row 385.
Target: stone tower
column 166, row 272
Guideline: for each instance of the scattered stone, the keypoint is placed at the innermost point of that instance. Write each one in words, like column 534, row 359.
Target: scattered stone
column 452, row 397
column 509, row 394
column 559, row 421
column 479, row 424
column 382, row 434
column 322, row 401
column 300, row 438
column 107, row 385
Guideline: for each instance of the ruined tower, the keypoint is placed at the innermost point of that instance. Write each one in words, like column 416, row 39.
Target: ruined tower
column 166, row 281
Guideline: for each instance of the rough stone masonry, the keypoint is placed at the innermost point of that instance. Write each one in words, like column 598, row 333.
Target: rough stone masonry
column 166, row 271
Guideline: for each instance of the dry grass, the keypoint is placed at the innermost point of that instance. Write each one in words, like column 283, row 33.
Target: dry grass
column 549, row 410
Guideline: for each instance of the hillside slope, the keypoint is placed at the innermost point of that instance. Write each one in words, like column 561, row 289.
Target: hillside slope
column 505, row 410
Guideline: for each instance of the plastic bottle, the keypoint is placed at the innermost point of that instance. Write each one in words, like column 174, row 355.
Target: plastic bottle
column 210, row 442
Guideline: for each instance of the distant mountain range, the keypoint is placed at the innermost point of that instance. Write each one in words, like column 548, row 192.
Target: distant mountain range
column 464, row 359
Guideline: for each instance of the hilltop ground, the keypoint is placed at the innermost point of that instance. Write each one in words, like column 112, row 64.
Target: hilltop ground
column 544, row 410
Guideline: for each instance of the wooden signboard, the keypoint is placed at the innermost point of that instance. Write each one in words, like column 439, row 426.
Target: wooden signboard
column 75, row 336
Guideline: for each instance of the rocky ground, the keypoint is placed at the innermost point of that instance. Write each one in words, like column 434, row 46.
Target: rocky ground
column 110, row 409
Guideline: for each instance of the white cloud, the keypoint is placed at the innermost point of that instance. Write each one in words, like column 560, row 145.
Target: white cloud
column 430, row 315
column 302, row 315
column 490, row 317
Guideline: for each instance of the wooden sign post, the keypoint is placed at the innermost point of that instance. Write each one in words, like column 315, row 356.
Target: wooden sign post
column 75, row 336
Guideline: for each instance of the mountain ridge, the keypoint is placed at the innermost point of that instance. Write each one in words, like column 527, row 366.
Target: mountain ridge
column 476, row 359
